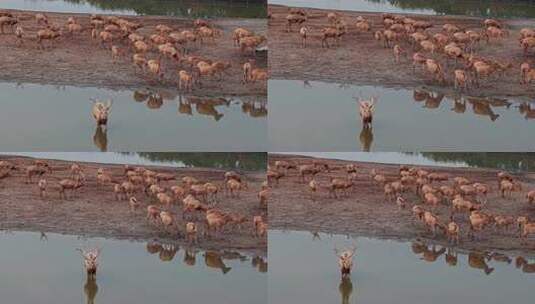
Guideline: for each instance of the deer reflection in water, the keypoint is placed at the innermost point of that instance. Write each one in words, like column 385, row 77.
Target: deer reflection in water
column 168, row 252
column 260, row 263
column 459, row 105
column 141, row 95
column 429, row 253
column 316, row 236
column 432, row 254
column 526, row 110
column 100, row 138
column 254, row 109
column 90, row 289
column 480, row 106
column 451, row 257
column 366, row 138
column 153, row 247
column 419, row 95
column 155, row 101
column 213, row 259
column 500, row 257
column 346, row 289
column 483, row 108
column 208, row 106
column 184, row 107
column 477, row 260
column 522, row 263
column 190, row 257
column 433, row 100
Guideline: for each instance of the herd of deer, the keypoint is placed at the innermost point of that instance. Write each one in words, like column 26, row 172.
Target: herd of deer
column 164, row 44
column 465, row 199
column 463, row 196
column 451, row 42
column 161, row 193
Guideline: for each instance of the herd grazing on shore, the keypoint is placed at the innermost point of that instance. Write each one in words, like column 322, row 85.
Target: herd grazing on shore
column 447, row 53
column 451, row 207
column 148, row 50
column 455, row 207
column 181, row 207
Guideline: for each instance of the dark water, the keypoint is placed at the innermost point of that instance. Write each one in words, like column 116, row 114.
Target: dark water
column 490, row 8
column 36, row 270
column 324, row 117
column 388, row 272
column 519, row 162
column 48, row 118
column 251, row 161
column 183, row 8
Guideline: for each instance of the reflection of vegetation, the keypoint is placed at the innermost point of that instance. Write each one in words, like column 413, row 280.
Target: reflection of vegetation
column 505, row 161
column 491, row 8
column 243, row 161
column 189, row 8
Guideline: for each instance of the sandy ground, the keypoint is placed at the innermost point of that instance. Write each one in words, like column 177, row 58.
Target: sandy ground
column 79, row 61
column 360, row 59
column 366, row 212
column 94, row 212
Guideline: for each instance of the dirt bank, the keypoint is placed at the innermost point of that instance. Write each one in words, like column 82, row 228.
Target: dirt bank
column 365, row 212
column 80, row 61
column 94, row 212
column 360, row 59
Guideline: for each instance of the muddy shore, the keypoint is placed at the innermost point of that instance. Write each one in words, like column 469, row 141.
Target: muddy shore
column 94, row 212
column 365, row 212
column 79, row 61
column 362, row 60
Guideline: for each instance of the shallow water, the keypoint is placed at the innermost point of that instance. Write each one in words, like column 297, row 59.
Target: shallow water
column 251, row 161
column 519, row 162
column 36, row 270
column 417, row 159
column 493, row 8
column 386, row 272
column 48, row 118
column 350, row 5
column 324, row 117
column 184, row 8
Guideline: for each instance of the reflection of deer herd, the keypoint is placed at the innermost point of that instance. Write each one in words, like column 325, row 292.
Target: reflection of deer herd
column 453, row 206
column 207, row 106
column 212, row 259
column 480, row 106
column 185, row 209
column 148, row 49
column 476, row 259
column 447, row 52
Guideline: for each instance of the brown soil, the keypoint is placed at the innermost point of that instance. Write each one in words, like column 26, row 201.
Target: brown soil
column 360, row 59
column 80, row 61
column 94, row 212
column 366, row 212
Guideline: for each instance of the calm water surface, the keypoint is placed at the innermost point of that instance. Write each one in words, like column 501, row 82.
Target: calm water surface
column 389, row 272
column 490, row 8
column 39, row 270
column 518, row 162
column 183, row 8
column 250, row 161
column 48, row 118
column 318, row 116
